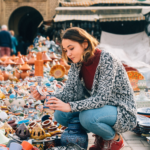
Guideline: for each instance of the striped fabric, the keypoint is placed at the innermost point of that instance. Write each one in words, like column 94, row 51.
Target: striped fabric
column 60, row 17
column 101, row 18
column 67, row 4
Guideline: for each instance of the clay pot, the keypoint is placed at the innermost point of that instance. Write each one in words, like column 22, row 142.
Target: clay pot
column 20, row 61
column 25, row 59
column 45, row 57
column 5, row 75
column 4, row 58
column 31, row 125
column 1, row 77
column 8, row 61
column 53, row 55
column 52, row 128
column 19, row 54
column 32, row 60
column 17, row 74
column 46, row 124
column 25, row 67
column 24, row 74
column 13, row 58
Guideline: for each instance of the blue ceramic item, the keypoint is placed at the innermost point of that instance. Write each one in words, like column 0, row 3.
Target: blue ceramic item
column 75, row 134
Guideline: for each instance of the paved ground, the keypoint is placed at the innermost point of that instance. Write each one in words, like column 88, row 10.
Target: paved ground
column 131, row 140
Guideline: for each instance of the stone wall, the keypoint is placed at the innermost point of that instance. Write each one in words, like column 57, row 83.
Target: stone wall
column 45, row 7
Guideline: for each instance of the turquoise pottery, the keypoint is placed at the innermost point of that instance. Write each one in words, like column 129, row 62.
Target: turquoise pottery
column 26, row 122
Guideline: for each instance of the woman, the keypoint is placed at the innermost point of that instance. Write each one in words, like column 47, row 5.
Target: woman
column 97, row 90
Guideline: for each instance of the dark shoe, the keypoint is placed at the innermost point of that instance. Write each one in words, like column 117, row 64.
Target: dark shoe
column 97, row 143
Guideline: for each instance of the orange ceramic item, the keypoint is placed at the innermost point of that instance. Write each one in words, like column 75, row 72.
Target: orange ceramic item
column 20, row 61
column 39, row 65
column 134, row 76
column 26, row 145
column 8, row 61
column 45, row 57
column 32, row 60
column 4, row 58
column 58, row 71
column 1, row 78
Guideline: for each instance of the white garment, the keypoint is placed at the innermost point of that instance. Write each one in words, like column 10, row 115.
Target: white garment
column 132, row 49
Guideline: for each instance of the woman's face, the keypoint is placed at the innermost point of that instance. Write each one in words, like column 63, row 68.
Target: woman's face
column 73, row 49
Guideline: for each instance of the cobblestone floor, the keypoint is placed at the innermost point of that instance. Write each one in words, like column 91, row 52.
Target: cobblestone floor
column 131, row 140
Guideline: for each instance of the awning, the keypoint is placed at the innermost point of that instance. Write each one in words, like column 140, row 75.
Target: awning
column 121, row 17
column 77, row 4
column 61, row 17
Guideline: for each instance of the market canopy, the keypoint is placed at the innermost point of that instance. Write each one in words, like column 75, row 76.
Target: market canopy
column 62, row 17
column 84, row 4
column 103, row 14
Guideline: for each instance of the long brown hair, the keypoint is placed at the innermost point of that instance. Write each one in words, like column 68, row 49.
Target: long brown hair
column 79, row 35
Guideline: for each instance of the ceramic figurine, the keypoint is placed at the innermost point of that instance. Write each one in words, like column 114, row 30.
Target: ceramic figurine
column 23, row 132
column 38, row 133
column 8, row 129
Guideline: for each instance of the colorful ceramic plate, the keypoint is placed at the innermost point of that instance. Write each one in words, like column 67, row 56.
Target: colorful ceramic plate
column 141, row 118
column 40, row 90
column 134, row 76
column 57, row 71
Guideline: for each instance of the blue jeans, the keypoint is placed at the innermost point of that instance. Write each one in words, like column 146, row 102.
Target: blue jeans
column 98, row 121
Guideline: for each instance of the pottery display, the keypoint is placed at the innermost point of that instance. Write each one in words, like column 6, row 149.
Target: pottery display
column 31, row 61
column 17, row 74
column 75, row 134
column 8, row 61
column 17, row 102
column 3, row 58
column 8, row 129
column 23, row 132
column 20, row 61
column 38, row 133
column 25, row 67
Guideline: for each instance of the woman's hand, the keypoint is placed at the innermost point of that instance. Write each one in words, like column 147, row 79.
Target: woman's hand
column 56, row 104
column 37, row 95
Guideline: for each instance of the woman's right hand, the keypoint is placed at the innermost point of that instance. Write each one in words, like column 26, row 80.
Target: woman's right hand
column 37, row 95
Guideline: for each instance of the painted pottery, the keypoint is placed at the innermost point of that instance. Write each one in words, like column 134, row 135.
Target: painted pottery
column 8, row 129
column 18, row 102
column 75, row 134
column 46, row 124
column 58, row 71
column 26, row 122
column 23, row 132
column 31, row 125
column 38, row 133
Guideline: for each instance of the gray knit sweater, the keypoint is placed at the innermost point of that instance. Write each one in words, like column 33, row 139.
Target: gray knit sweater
column 111, row 86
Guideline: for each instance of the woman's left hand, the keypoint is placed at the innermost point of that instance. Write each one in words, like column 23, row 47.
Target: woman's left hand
column 56, row 104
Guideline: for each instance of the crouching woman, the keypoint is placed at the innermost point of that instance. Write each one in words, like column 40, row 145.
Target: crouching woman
column 97, row 91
